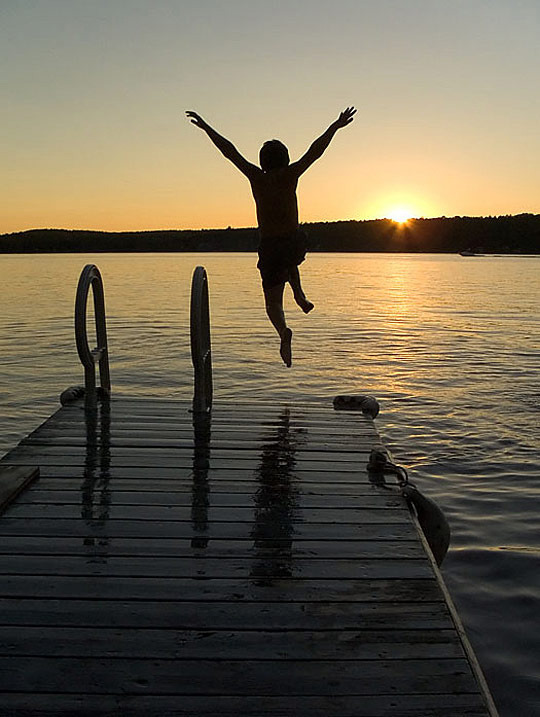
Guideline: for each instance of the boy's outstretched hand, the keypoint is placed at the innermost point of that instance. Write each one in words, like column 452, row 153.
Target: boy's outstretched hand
column 196, row 119
column 345, row 117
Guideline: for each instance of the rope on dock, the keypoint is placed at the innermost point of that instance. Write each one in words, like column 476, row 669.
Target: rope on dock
column 430, row 516
column 367, row 404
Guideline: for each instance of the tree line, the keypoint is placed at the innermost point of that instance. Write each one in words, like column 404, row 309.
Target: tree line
column 510, row 234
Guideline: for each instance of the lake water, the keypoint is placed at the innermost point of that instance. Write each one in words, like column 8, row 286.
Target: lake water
column 449, row 345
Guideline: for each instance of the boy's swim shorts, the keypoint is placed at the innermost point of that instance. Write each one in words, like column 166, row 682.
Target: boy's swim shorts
column 278, row 254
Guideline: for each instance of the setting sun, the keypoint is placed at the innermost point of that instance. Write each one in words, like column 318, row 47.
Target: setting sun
column 400, row 215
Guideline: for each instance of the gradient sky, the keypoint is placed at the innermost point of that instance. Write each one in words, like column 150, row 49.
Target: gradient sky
column 93, row 94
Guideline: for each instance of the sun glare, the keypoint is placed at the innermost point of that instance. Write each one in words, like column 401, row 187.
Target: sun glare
column 400, row 215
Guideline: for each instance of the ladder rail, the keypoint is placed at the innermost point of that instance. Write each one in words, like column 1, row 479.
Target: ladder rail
column 201, row 349
column 91, row 277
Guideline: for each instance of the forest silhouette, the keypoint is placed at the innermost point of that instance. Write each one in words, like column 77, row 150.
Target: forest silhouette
column 518, row 234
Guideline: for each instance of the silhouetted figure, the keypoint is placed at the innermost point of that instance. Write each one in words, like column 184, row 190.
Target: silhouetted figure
column 282, row 245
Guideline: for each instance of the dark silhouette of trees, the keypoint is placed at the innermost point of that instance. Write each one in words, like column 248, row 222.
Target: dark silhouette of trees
column 519, row 234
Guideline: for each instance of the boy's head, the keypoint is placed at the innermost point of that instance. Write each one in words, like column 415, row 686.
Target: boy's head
column 273, row 155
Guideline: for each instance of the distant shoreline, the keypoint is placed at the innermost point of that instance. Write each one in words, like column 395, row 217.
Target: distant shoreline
column 506, row 235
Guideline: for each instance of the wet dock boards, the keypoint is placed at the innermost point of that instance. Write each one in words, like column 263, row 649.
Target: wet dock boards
column 241, row 564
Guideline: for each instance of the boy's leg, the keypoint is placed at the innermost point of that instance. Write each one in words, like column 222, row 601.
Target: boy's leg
column 296, row 286
column 273, row 296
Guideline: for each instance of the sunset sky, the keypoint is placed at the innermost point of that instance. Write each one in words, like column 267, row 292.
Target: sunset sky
column 94, row 92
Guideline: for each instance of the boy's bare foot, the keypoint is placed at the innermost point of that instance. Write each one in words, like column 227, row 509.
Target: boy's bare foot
column 303, row 303
column 285, row 349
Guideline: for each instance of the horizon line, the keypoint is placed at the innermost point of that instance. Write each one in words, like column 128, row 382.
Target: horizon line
column 244, row 228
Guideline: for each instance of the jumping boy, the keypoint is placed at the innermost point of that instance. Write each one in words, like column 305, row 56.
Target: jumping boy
column 282, row 245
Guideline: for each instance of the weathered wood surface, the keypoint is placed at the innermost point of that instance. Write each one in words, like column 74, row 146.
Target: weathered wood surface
column 238, row 565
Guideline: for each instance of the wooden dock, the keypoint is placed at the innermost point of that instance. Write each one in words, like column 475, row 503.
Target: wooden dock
column 240, row 564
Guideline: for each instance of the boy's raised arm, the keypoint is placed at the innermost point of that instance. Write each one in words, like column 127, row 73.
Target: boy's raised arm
column 321, row 143
column 226, row 147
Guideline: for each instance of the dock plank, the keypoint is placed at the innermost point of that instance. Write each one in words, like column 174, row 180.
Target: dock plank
column 257, row 615
column 139, row 454
column 237, row 590
column 160, row 547
column 221, row 514
column 96, row 525
column 236, row 677
column 151, row 462
column 314, row 475
column 218, row 482
column 205, row 644
column 144, row 497
column 91, row 705
column 277, row 564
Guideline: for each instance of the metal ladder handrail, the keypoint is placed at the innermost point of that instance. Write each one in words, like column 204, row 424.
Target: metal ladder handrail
column 91, row 277
column 201, row 350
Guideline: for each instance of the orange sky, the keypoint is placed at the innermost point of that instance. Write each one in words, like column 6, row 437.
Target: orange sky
column 94, row 134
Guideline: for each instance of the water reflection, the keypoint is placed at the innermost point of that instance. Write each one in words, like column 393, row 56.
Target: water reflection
column 200, row 490
column 95, row 491
column 276, row 502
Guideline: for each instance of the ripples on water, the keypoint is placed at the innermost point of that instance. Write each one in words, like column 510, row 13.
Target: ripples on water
column 449, row 345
